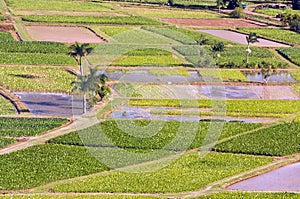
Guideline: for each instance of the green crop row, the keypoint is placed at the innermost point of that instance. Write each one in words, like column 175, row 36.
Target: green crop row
column 74, row 196
column 57, row 5
column 148, row 61
column 225, row 75
column 117, row 133
column 121, row 20
column 168, row 72
column 280, row 140
column 113, row 30
column 274, row 12
column 148, row 51
column 37, row 59
column 295, row 74
column 42, row 164
column 6, row 141
column 187, row 173
column 7, row 107
column 36, row 78
column 172, row 33
column 18, row 127
column 292, row 54
column 275, row 34
column 6, row 36
column 33, row 47
column 246, row 106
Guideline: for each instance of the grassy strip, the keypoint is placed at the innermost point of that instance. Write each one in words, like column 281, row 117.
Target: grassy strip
column 274, row 12
column 246, row 106
column 281, row 140
column 114, row 30
column 34, row 47
column 36, row 78
column 75, row 196
column 37, row 59
column 6, row 141
column 7, row 107
column 117, row 132
column 292, row 54
column 42, row 164
column 249, row 195
column 120, row 20
column 19, row 127
column 6, row 36
column 187, row 173
column 231, row 114
column 57, row 5
column 275, row 34
column 174, row 72
column 225, row 75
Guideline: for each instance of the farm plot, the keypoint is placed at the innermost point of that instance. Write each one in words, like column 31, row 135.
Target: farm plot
column 6, row 141
column 187, row 173
column 22, row 127
column 7, row 107
column 117, row 133
column 76, row 196
column 210, row 23
column 280, row 140
column 274, row 12
column 250, row 108
column 28, row 78
column 63, row 34
column 42, row 164
column 6, row 36
column 292, row 54
column 119, row 20
column 213, row 92
column 279, row 35
column 241, row 38
column 250, row 195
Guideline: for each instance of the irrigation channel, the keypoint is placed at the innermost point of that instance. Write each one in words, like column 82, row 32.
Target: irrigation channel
column 241, row 38
column 283, row 179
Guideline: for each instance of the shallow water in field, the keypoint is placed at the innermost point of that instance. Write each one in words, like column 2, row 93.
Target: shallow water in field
column 128, row 112
column 51, row 104
column 278, row 77
column 286, row 178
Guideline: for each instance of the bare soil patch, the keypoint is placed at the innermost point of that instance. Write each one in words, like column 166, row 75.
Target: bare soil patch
column 63, row 34
column 6, row 27
column 212, row 23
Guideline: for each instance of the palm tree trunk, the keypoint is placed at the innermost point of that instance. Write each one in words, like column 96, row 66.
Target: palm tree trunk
column 84, row 95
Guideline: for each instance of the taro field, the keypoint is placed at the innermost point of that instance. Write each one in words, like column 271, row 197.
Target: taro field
column 105, row 99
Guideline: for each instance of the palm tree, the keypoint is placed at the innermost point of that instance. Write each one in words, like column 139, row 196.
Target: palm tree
column 220, row 3
column 251, row 38
column 78, row 51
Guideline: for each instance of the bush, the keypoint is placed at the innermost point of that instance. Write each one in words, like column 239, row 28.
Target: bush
column 237, row 13
column 218, row 47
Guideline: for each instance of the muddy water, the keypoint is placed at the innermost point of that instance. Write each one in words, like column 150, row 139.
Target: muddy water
column 51, row 104
column 286, row 178
column 241, row 38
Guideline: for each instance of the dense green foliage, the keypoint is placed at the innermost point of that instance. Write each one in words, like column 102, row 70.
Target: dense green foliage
column 6, row 107
column 292, row 54
column 6, row 141
column 121, row 20
column 57, row 5
column 280, row 140
column 18, row 127
column 36, row 78
column 42, row 164
column 6, row 36
column 120, row 138
column 36, row 59
column 33, row 47
column 187, row 173
column 275, row 34
column 249, row 195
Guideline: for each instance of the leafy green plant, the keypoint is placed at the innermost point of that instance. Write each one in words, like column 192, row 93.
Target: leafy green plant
column 280, row 140
column 6, row 141
column 7, row 107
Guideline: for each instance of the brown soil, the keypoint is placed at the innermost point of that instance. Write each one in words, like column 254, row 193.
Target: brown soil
column 6, row 27
column 63, row 34
column 212, row 23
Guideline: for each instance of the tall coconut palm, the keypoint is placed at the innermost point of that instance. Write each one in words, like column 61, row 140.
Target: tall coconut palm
column 79, row 51
column 251, row 38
